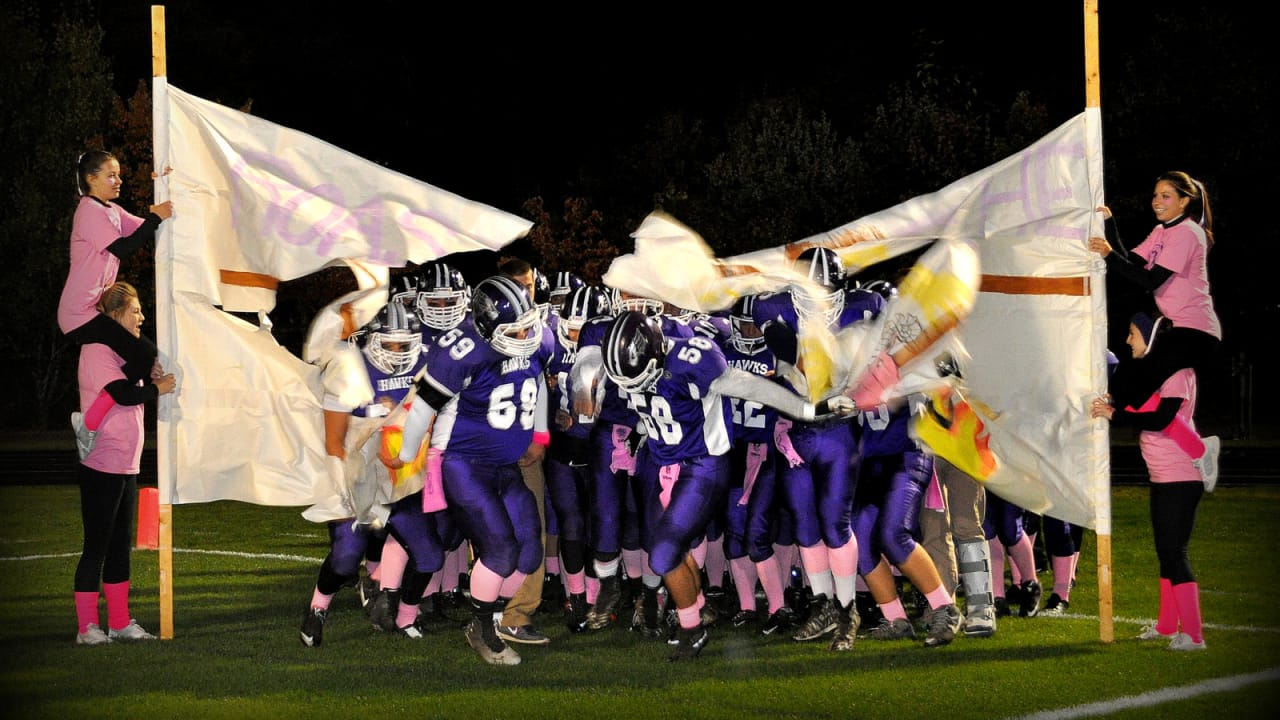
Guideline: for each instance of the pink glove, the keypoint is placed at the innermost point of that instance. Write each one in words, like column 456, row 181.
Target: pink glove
column 622, row 458
column 782, row 439
column 882, row 375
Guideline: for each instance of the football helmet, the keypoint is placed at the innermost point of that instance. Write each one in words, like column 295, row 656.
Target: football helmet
column 634, row 351
column 883, row 288
column 404, row 290
column 584, row 303
column 822, row 266
column 744, row 335
column 566, row 282
column 392, row 340
column 443, row 296
column 502, row 313
column 624, row 301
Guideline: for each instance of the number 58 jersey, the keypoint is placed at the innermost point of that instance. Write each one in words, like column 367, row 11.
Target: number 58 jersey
column 683, row 418
column 494, row 396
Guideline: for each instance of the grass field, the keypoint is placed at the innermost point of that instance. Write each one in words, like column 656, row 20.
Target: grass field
column 243, row 574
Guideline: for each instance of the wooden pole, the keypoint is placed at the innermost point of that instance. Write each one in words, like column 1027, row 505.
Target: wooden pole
column 159, row 70
column 1092, row 91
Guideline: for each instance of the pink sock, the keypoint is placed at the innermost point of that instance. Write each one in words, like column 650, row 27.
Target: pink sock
column 98, row 410
column 1187, row 596
column 117, row 604
column 406, row 614
column 1167, row 621
column 371, row 569
column 86, row 610
column 770, row 576
column 485, row 583
column 699, row 554
column 319, row 600
column 394, row 560
column 433, row 585
column 635, row 561
column 511, row 584
column 553, row 564
column 575, row 583
column 893, row 610
column 1062, row 567
column 815, row 559
column 689, row 617
column 1187, row 440
column 997, row 568
column 1023, row 559
column 939, row 597
column 744, row 578
column 716, row 563
column 593, row 589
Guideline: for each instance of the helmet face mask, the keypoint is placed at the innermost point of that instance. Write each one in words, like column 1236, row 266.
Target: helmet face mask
column 625, row 301
column 404, row 290
column 565, row 285
column 634, row 351
column 744, row 335
column 824, row 267
column 443, row 296
column 392, row 340
column 584, row 303
column 505, row 317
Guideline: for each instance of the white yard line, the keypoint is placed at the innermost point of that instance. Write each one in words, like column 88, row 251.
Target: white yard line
column 1155, row 697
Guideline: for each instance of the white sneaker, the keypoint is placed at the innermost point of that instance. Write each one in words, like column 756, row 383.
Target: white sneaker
column 1151, row 633
column 84, row 436
column 131, row 632
column 1207, row 463
column 1183, row 641
column 92, row 636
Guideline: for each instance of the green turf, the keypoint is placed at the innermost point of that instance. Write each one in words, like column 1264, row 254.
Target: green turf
column 242, row 575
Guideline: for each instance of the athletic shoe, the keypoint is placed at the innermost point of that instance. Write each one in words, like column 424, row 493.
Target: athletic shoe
column 1208, row 462
column 943, row 626
column 689, row 643
column 132, row 632
column 416, row 631
column 84, row 436
column 604, row 611
column 888, row 629
column 1002, row 607
column 1183, row 641
column 93, row 635
column 523, row 634
column 313, row 627
column 781, row 621
column 745, row 617
column 708, row 614
column 1055, row 606
column 824, row 616
column 368, row 589
column 846, row 633
column 384, row 609
column 483, row 637
column 980, row 621
column 1151, row 633
column 576, row 612
column 1029, row 599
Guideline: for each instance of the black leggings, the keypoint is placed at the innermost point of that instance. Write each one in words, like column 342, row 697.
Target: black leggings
column 1173, row 517
column 139, row 353
column 107, row 506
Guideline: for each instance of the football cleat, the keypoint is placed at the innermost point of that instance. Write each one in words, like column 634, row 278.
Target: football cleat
column 313, row 627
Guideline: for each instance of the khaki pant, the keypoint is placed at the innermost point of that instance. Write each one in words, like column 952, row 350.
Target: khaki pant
column 960, row 521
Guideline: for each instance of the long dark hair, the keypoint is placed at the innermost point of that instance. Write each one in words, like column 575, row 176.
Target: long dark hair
column 1198, row 208
column 88, row 164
